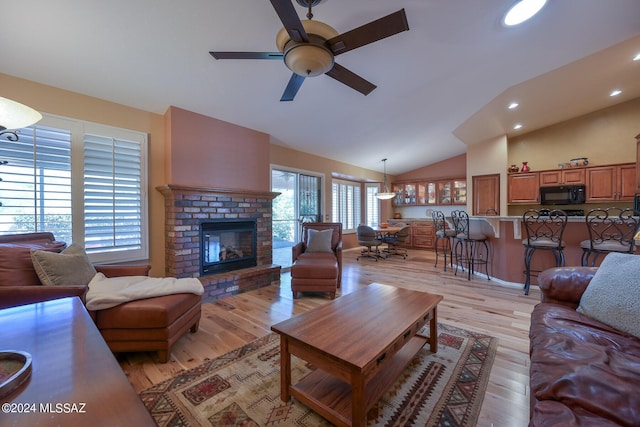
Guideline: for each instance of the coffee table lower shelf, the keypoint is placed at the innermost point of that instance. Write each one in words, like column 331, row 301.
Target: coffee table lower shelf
column 331, row 397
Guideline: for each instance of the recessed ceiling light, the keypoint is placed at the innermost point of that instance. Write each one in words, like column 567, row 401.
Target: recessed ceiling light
column 517, row 126
column 637, row 57
column 522, row 11
column 513, row 105
column 615, row 92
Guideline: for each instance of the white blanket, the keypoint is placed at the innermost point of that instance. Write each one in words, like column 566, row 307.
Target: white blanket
column 106, row 292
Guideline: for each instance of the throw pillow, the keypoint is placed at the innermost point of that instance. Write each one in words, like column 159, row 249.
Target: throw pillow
column 319, row 240
column 613, row 295
column 70, row 267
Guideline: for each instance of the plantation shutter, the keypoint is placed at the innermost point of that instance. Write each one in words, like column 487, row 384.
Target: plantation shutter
column 113, row 199
column 372, row 204
column 346, row 203
column 35, row 191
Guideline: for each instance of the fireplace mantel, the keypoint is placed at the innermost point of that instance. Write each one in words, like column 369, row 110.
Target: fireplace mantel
column 179, row 188
column 187, row 206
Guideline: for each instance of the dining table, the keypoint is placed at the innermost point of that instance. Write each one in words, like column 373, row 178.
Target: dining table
column 385, row 231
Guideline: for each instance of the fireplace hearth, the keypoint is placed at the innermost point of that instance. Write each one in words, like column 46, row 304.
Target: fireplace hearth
column 188, row 208
column 227, row 245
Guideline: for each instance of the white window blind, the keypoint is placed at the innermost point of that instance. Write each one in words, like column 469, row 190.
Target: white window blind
column 35, row 191
column 113, row 202
column 346, row 203
column 372, row 204
column 84, row 182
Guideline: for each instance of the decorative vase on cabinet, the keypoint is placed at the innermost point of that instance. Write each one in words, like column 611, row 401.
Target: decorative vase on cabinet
column 525, row 167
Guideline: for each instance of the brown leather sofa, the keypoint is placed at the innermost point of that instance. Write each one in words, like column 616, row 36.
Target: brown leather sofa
column 317, row 271
column 152, row 324
column 583, row 372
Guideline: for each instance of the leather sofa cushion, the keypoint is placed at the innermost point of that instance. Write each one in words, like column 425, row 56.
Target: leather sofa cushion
column 16, row 267
column 586, row 366
column 157, row 312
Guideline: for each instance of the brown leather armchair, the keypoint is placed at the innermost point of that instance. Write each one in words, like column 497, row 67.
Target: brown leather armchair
column 151, row 324
column 314, row 271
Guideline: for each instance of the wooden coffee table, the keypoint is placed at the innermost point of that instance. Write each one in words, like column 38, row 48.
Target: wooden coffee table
column 360, row 343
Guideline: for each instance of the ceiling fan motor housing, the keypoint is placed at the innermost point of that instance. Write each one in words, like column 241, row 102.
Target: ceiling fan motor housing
column 308, row 59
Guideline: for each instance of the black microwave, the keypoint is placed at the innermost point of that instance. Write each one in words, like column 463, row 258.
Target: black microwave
column 562, row 195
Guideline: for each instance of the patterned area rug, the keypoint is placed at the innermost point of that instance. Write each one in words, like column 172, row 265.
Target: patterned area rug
column 242, row 388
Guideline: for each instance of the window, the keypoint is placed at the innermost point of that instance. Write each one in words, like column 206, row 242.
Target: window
column 346, row 204
column 372, row 204
column 84, row 182
column 299, row 201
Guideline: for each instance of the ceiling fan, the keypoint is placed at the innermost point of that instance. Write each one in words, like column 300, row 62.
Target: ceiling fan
column 308, row 47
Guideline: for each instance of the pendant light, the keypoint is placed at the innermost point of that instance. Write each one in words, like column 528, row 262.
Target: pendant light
column 386, row 195
column 14, row 115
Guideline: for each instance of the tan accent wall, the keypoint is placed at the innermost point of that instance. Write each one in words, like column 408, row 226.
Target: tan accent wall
column 486, row 159
column 604, row 136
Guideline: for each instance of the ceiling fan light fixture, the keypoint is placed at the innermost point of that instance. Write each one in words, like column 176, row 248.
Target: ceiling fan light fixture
column 308, row 59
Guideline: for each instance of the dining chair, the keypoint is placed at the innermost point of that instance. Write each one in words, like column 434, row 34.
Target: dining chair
column 544, row 230
column 610, row 230
column 396, row 241
column 368, row 238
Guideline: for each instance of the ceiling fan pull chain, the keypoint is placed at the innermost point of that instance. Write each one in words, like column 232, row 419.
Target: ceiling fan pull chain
column 309, row 14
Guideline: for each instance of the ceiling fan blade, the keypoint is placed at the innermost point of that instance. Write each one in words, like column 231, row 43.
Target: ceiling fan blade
column 290, row 20
column 350, row 79
column 292, row 87
column 247, row 55
column 369, row 33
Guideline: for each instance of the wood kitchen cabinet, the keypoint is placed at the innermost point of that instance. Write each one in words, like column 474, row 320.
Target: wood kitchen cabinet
column 405, row 194
column 524, row 188
column 574, row 176
column 452, row 192
column 422, row 193
column 486, row 194
column 422, row 235
column 611, row 183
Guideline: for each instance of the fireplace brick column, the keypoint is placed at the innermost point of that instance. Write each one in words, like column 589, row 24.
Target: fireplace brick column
column 186, row 207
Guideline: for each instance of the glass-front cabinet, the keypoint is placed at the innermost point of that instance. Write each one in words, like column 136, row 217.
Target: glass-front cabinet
column 459, row 194
column 442, row 192
column 405, row 194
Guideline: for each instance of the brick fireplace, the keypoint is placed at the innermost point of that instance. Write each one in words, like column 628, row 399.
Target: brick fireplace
column 186, row 208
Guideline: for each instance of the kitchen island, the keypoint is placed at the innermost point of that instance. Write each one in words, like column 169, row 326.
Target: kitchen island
column 505, row 235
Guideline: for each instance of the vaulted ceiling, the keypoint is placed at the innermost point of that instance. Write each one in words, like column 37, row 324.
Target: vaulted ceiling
column 441, row 86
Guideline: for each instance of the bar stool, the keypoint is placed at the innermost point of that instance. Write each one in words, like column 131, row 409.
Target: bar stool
column 610, row 230
column 471, row 248
column 544, row 231
column 443, row 238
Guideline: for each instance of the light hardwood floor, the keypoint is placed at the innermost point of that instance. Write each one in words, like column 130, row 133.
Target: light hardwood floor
column 479, row 305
